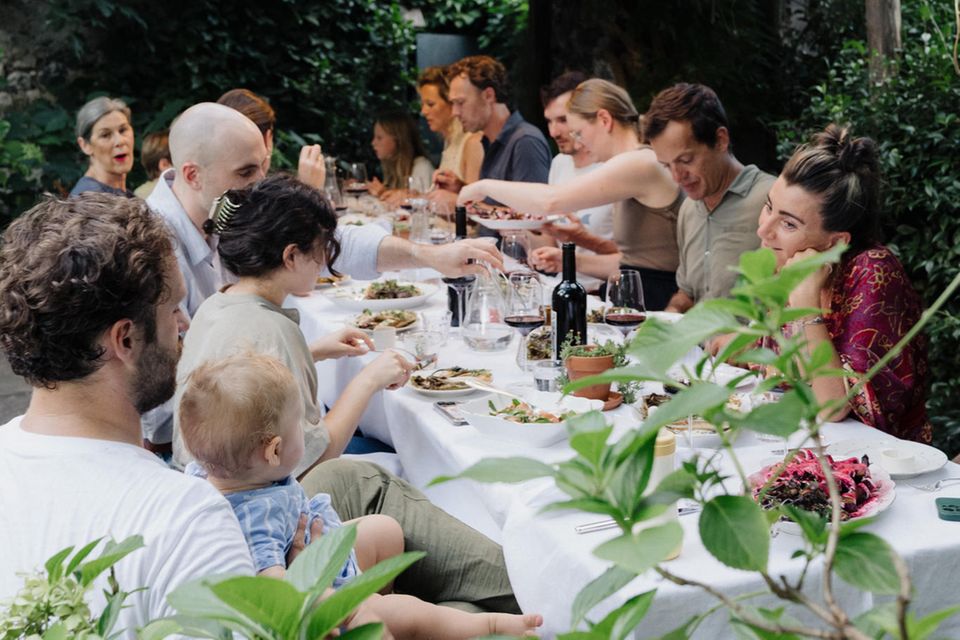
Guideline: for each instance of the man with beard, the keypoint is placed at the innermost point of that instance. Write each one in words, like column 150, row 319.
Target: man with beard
column 90, row 315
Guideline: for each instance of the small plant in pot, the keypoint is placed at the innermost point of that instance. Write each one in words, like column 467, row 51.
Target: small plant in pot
column 582, row 360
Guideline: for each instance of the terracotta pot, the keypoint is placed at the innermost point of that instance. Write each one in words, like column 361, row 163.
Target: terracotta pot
column 583, row 366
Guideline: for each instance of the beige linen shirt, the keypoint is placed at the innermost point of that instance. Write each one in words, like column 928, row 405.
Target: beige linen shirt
column 711, row 241
column 228, row 324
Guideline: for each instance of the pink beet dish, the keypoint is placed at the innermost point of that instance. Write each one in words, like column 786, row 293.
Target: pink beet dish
column 863, row 491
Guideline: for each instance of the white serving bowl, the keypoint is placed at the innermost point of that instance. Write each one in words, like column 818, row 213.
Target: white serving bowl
column 477, row 413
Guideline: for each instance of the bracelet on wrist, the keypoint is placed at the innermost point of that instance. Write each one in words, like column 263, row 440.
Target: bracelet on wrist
column 810, row 321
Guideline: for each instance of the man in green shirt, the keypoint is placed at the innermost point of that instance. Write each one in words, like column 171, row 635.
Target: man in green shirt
column 687, row 128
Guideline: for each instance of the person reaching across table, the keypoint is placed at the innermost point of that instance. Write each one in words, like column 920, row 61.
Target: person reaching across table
column 603, row 119
column 105, row 136
column 276, row 236
column 828, row 193
column 241, row 420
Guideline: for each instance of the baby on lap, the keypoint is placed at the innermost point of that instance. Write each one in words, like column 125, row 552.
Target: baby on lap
column 240, row 418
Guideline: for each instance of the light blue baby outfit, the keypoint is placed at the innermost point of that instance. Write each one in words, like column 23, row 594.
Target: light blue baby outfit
column 269, row 516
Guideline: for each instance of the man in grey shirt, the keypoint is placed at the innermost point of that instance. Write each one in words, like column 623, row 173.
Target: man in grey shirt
column 687, row 127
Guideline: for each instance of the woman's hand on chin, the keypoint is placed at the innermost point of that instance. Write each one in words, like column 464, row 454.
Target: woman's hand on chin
column 807, row 293
column 346, row 342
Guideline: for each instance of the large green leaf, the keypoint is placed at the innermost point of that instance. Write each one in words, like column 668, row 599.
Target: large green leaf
column 160, row 629
column 757, row 265
column 735, row 531
column 630, row 479
column 54, row 565
column 620, row 622
column 372, row 631
column 112, row 553
column 641, row 551
column 598, row 590
column 865, row 560
column 591, row 443
column 316, row 567
column 196, row 600
column 778, row 418
column 778, row 287
column 274, row 604
column 330, row 612
column 80, row 556
column 678, row 484
column 814, row 526
column 658, row 345
column 501, row 470
column 696, row 399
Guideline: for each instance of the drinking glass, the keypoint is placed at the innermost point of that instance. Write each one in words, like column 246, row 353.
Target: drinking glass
column 515, row 245
column 358, row 178
column 524, row 308
column 625, row 309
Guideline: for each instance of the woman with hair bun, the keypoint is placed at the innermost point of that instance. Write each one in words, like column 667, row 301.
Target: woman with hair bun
column 828, row 193
column 105, row 136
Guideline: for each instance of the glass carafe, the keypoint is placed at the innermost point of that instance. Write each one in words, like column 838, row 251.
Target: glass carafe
column 331, row 185
column 484, row 328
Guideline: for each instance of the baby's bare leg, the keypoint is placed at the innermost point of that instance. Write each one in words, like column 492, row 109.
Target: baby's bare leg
column 378, row 537
column 410, row 618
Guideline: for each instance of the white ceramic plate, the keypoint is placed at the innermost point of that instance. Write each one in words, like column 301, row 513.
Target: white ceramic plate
column 442, row 393
column 351, row 297
column 886, row 494
column 493, row 223
column 342, row 282
column 410, row 327
column 477, row 413
column 925, row 457
column 666, row 316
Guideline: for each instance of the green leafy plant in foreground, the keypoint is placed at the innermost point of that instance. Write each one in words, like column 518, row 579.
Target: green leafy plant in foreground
column 612, row 479
column 52, row 604
column 298, row 607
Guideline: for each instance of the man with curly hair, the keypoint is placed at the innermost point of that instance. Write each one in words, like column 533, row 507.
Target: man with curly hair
column 90, row 317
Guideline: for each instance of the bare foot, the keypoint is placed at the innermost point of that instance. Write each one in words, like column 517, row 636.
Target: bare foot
column 507, row 624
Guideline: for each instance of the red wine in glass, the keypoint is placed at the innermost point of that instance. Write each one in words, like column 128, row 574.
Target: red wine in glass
column 624, row 320
column 524, row 324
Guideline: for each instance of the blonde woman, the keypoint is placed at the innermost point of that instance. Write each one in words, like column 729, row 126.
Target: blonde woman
column 646, row 200
column 402, row 157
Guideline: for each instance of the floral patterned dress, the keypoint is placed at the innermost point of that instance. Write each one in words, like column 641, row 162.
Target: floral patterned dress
column 872, row 306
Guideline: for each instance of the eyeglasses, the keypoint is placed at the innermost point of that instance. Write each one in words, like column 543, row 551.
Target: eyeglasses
column 576, row 136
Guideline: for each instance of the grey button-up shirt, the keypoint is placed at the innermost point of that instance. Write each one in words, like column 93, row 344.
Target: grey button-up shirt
column 519, row 154
column 711, row 241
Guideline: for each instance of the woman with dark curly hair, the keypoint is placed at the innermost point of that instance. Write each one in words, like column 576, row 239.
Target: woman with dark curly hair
column 828, row 193
column 276, row 236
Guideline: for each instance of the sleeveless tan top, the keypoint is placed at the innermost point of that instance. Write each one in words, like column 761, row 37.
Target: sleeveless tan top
column 647, row 236
column 452, row 157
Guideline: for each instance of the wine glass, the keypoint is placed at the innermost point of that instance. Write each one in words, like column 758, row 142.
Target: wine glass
column 524, row 308
column 358, row 177
column 515, row 246
column 625, row 308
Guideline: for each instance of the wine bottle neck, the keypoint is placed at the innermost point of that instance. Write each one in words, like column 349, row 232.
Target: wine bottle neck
column 460, row 223
column 569, row 262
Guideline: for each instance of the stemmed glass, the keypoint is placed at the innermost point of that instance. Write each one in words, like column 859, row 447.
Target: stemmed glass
column 625, row 309
column 515, row 246
column 524, row 308
column 358, row 178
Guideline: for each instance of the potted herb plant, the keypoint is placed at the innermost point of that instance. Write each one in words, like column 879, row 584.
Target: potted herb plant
column 588, row 360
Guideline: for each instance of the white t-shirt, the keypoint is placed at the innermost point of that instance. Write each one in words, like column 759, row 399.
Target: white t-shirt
column 58, row 491
column 598, row 220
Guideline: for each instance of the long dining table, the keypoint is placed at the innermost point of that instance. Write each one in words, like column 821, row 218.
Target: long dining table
column 549, row 562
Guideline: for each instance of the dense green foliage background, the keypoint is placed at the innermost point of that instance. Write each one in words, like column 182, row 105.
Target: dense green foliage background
column 915, row 117
column 328, row 67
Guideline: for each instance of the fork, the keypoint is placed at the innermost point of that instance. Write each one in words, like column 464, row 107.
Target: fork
column 935, row 486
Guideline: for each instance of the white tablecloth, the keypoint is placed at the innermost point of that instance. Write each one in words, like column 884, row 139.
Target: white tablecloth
column 549, row 563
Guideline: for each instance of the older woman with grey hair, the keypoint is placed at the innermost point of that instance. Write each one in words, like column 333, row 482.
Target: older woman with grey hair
column 105, row 136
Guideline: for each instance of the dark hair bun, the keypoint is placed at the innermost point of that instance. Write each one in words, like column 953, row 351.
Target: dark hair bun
column 854, row 155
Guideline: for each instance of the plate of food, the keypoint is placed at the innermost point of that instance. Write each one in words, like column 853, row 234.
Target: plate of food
column 498, row 217
column 399, row 319
column 326, row 282
column 382, row 295
column 448, row 382
column 703, row 433
column 865, row 489
column 540, row 424
column 899, row 458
